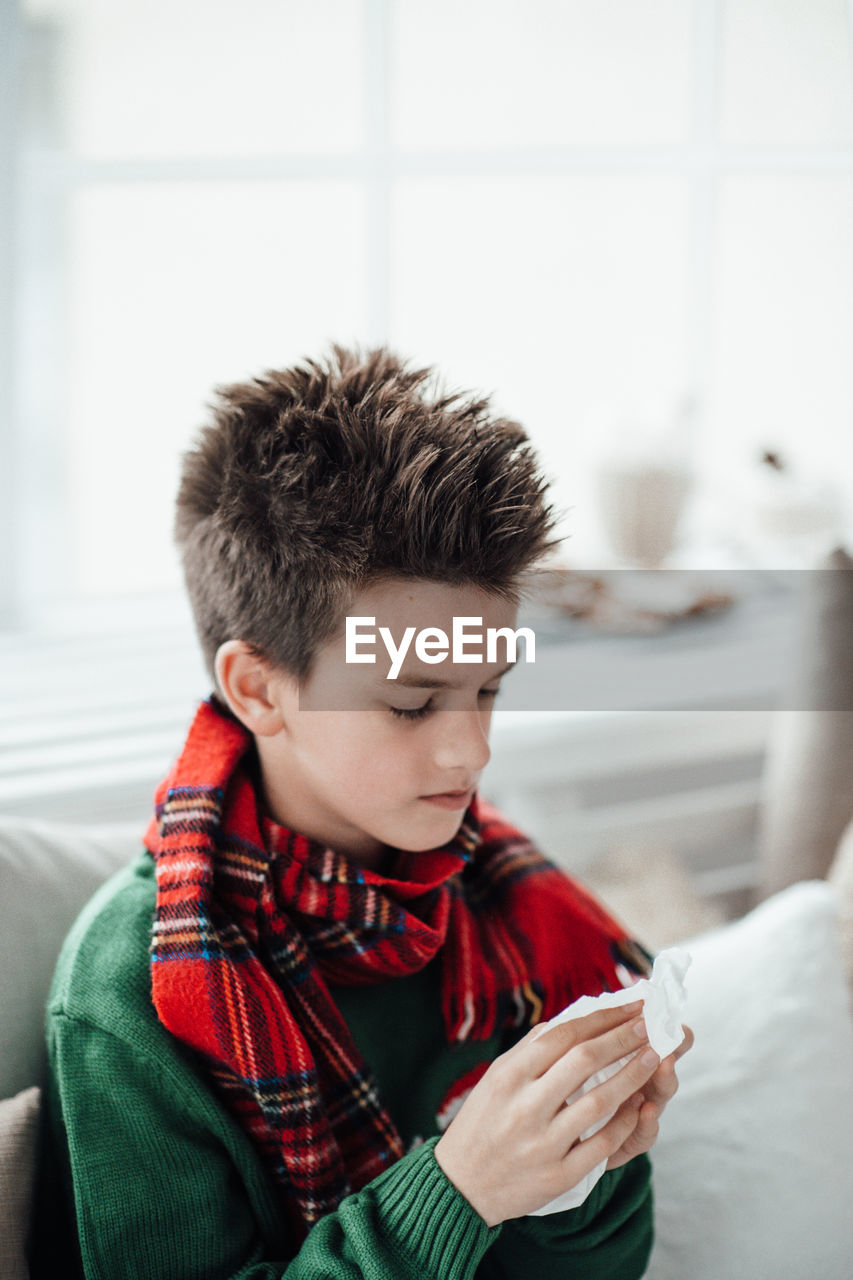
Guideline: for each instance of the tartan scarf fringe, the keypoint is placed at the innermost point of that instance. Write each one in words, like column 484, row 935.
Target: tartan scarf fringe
column 253, row 921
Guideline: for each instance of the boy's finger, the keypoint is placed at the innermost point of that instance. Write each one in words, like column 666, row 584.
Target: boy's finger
column 584, row 1156
column 645, row 1135
column 663, row 1085
column 648, row 1127
column 546, row 1047
column 604, row 1099
column 686, row 1044
column 583, row 1060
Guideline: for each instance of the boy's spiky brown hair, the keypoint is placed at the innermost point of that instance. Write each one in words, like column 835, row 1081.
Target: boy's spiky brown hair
column 313, row 481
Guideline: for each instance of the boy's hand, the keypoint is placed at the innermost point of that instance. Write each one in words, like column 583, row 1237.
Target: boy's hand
column 656, row 1093
column 515, row 1144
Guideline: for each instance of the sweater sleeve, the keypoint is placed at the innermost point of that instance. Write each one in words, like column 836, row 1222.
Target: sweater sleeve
column 158, row 1194
column 608, row 1237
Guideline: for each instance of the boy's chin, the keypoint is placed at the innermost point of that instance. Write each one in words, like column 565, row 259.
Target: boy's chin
column 436, row 834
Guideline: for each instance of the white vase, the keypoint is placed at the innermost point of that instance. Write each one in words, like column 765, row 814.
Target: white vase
column 640, row 504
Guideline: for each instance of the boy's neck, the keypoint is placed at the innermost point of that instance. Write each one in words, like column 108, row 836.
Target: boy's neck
column 281, row 803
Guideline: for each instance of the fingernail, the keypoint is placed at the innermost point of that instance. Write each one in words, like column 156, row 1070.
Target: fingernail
column 640, row 1030
column 637, row 1100
column 650, row 1058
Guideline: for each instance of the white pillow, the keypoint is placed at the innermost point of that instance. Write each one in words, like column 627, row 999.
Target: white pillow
column 48, row 871
column 753, row 1169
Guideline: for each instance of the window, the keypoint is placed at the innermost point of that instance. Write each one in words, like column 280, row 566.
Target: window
column 573, row 204
column 584, row 206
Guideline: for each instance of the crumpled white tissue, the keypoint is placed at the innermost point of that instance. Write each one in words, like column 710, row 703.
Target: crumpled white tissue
column 663, row 997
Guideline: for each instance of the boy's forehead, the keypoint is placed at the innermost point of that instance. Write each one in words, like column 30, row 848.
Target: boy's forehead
column 420, row 603
column 398, row 604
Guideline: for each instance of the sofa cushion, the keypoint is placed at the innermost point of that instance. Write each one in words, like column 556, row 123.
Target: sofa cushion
column 48, row 871
column 18, row 1132
column 752, row 1169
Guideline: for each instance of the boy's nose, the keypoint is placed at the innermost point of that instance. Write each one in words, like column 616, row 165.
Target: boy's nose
column 462, row 742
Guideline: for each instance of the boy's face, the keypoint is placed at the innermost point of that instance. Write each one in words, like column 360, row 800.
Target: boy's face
column 363, row 762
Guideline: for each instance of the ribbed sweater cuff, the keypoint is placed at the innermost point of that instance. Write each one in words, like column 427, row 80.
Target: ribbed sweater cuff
column 444, row 1234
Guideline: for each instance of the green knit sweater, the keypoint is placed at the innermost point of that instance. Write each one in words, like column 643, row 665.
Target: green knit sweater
column 144, row 1174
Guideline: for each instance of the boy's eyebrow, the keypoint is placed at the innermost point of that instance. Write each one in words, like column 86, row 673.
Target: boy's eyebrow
column 421, row 682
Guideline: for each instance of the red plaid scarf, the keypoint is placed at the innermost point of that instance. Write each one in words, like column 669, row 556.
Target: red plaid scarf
column 253, row 921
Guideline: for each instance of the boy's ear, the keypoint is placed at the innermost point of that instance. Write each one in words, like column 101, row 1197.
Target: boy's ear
column 250, row 686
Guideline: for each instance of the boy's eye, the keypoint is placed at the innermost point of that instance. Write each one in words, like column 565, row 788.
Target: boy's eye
column 418, row 713
column 413, row 713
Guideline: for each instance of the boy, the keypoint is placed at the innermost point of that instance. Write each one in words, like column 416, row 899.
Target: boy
column 298, row 1037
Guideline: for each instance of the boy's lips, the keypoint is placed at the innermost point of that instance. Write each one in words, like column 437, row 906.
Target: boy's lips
column 451, row 799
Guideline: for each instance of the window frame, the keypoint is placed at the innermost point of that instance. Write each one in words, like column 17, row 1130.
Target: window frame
column 33, row 510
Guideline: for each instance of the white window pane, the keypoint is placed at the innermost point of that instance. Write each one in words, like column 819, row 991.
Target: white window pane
column 562, row 295
column 784, row 325
column 175, row 289
column 169, row 77
column 786, row 72
column 493, row 73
